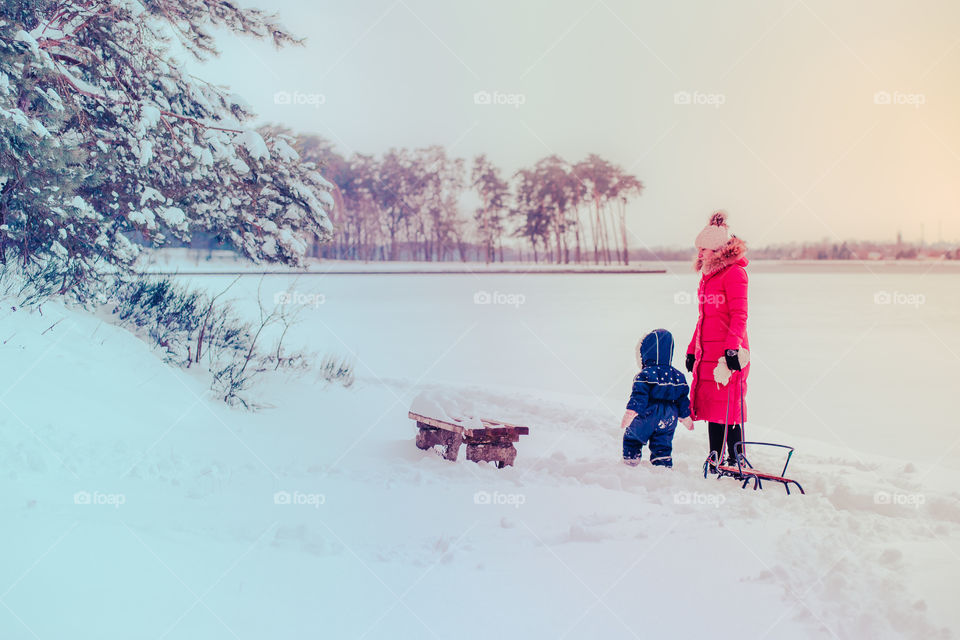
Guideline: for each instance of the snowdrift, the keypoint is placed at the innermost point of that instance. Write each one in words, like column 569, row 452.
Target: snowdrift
column 137, row 506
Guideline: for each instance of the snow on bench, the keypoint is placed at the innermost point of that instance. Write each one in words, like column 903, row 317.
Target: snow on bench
column 492, row 442
column 446, row 419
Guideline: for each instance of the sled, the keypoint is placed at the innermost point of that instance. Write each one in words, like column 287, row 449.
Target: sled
column 746, row 472
column 494, row 442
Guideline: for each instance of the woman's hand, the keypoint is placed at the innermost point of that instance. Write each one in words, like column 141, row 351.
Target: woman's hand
column 627, row 418
column 687, row 422
column 691, row 360
column 732, row 357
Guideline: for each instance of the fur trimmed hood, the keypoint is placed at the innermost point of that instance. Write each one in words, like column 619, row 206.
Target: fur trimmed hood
column 731, row 253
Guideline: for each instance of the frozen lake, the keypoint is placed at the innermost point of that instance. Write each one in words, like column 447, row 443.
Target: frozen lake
column 864, row 359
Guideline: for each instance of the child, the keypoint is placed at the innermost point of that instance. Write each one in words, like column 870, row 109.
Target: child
column 659, row 398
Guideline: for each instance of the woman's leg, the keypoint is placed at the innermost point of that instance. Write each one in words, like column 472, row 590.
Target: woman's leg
column 715, row 432
column 734, row 433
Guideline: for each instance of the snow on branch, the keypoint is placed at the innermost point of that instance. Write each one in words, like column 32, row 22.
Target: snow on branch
column 93, row 104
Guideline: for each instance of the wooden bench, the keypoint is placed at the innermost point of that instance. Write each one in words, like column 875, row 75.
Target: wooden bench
column 491, row 443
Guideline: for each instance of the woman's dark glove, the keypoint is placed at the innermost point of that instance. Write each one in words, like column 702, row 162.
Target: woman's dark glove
column 691, row 360
column 733, row 359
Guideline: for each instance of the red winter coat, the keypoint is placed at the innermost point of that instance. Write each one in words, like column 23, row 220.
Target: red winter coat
column 722, row 325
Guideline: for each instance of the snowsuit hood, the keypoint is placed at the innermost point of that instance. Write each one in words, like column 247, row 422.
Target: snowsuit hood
column 655, row 348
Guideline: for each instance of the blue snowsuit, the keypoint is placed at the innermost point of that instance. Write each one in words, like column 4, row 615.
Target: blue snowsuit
column 660, row 396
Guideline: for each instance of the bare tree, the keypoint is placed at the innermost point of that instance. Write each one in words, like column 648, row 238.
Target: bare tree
column 494, row 195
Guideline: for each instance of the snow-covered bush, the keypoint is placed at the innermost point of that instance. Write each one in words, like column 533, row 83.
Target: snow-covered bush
column 333, row 369
column 105, row 137
column 28, row 286
column 169, row 314
column 194, row 328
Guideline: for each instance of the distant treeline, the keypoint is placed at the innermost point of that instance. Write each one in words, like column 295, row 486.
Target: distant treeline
column 425, row 205
column 408, row 204
column 857, row 250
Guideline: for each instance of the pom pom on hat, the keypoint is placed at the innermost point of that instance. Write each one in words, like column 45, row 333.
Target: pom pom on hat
column 718, row 219
column 716, row 234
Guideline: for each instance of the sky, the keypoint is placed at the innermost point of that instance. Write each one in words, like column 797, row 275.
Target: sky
column 805, row 119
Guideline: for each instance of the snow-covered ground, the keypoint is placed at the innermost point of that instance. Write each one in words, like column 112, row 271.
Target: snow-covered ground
column 137, row 506
column 192, row 261
column 861, row 360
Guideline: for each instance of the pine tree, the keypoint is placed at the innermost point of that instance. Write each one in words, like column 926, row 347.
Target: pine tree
column 105, row 137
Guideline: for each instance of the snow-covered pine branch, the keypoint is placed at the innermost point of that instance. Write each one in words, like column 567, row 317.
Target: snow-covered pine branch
column 103, row 134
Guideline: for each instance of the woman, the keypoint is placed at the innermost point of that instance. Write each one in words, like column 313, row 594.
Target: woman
column 718, row 355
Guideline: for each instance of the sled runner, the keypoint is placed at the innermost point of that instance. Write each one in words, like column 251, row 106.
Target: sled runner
column 746, row 472
column 492, row 443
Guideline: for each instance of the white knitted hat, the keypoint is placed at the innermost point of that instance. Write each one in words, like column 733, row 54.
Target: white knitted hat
column 716, row 234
